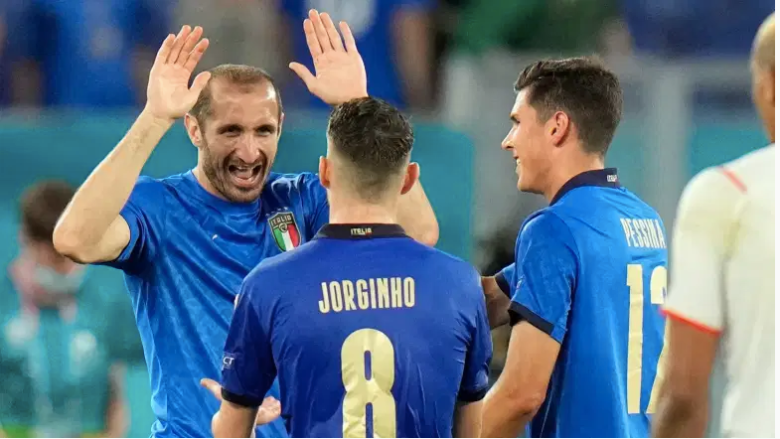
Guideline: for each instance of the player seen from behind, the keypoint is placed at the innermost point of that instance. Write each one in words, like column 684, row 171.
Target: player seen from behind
column 396, row 333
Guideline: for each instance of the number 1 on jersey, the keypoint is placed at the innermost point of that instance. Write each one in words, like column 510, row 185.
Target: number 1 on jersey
column 658, row 282
column 368, row 373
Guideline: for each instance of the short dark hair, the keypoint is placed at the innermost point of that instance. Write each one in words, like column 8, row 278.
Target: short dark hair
column 234, row 74
column 41, row 206
column 581, row 87
column 375, row 138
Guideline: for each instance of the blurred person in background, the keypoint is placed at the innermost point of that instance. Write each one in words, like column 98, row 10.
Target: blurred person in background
column 723, row 289
column 83, row 53
column 395, row 38
column 246, row 31
column 59, row 375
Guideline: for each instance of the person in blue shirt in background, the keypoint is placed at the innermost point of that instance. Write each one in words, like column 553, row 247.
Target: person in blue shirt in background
column 395, row 38
column 83, row 53
column 372, row 298
column 590, row 270
column 186, row 242
column 60, row 362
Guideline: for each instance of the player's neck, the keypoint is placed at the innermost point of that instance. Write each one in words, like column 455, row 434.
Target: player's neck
column 347, row 211
column 566, row 171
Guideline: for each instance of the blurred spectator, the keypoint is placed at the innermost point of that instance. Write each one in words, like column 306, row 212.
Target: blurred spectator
column 240, row 32
column 83, row 53
column 695, row 27
column 395, row 38
column 59, row 375
column 548, row 26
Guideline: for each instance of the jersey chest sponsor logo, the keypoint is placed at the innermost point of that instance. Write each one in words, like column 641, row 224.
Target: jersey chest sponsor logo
column 285, row 230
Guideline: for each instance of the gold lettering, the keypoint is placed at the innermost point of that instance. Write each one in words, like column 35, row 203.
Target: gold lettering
column 335, row 296
column 383, row 292
column 626, row 230
column 409, row 292
column 372, row 289
column 635, row 223
column 324, row 303
column 349, row 295
column 396, row 292
column 660, row 234
column 362, row 294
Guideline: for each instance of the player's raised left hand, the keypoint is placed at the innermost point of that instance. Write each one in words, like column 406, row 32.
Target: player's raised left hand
column 268, row 412
column 340, row 72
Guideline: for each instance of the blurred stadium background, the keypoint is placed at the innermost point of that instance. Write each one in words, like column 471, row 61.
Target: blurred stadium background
column 72, row 77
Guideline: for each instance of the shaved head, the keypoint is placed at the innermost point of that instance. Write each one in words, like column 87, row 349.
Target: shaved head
column 763, row 67
column 763, row 53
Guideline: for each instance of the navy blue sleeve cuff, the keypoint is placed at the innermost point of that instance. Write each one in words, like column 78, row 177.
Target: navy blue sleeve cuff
column 472, row 396
column 518, row 313
column 503, row 283
column 242, row 400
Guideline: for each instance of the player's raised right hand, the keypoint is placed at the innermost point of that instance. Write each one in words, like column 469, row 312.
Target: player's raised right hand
column 168, row 95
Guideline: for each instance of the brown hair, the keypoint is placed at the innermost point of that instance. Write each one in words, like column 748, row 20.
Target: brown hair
column 234, row 74
column 581, row 87
column 41, row 206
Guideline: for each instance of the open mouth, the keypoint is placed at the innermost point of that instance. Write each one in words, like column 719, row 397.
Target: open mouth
column 245, row 176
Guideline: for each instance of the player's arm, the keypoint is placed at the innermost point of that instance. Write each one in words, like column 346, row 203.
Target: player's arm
column 703, row 232
column 91, row 228
column 497, row 296
column 546, row 265
column 416, row 216
column 248, row 367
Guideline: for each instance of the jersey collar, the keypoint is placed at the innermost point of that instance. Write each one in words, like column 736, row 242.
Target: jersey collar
column 360, row 231
column 601, row 177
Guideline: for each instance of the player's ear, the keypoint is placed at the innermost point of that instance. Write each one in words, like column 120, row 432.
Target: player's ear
column 558, row 127
column 281, row 124
column 411, row 177
column 325, row 169
column 193, row 130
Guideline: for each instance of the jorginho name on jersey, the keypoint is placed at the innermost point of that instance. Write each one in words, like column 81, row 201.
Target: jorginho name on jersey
column 591, row 272
column 188, row 254
column 358, row 322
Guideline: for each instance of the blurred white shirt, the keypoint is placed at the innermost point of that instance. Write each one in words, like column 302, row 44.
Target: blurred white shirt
column 723, row 281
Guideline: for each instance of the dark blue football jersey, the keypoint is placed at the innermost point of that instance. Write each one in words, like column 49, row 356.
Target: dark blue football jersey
column 371, row 334
column 590, row 271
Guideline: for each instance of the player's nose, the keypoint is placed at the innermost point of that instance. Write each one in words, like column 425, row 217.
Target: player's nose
column 248, row 152
column 506, row 144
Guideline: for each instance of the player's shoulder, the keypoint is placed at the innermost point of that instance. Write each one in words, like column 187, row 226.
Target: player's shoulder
column 156, row 189
column 544, row 222
column 279, row 183
column 752, row 168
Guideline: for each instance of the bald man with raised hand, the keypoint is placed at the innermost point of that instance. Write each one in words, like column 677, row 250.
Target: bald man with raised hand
column 723, row 284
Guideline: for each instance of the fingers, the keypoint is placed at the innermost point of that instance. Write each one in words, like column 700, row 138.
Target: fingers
column 311, row 39
column 319, row 29
column 349, row 39
column 196, row 54
column 189, row 44
column 333, row 34
column 200, row 82
column 303, row 73
column 165, row 49
column 212, row 386
column 179, row 43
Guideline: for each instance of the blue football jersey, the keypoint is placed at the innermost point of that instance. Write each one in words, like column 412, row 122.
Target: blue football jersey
column 371, row 334
column 188, row 253
column 590, row 271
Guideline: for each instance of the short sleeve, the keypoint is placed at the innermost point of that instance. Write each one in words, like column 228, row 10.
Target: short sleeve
column 315, row 203
column 704, row 226
column 144, row 213
column 505, row 278
column 476, row 371
column 546, row 271
column 248, row 368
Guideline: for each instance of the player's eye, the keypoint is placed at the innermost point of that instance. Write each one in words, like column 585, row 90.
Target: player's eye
column 266, row 130
column 230, row 130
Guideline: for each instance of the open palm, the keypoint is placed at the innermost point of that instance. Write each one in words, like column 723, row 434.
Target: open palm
column 340, row 72
column 168, row 94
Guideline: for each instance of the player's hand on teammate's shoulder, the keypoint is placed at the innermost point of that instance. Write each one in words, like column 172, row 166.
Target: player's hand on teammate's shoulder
column 168, row 95
column 266, row 413
column 340, row 75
